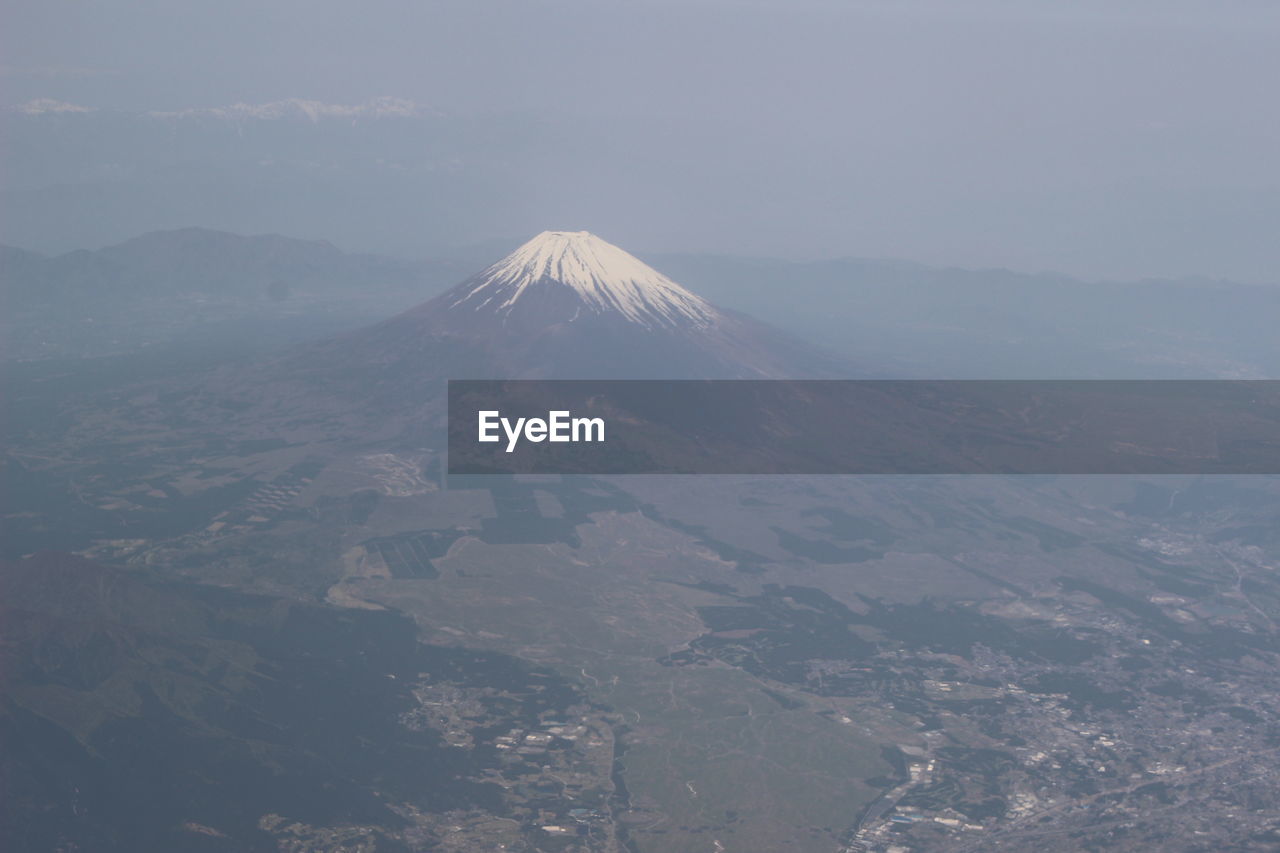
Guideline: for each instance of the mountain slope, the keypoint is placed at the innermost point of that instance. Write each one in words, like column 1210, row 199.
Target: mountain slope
column 140, row 714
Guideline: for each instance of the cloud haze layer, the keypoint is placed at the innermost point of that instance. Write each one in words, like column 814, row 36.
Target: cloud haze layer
column 1097, row 141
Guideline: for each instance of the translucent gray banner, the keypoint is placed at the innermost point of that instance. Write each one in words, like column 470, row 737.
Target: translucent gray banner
column 864, row 427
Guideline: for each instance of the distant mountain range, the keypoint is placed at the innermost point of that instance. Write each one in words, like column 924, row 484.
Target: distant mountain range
column 175, row 286
column 905, row 319
column 890, row 318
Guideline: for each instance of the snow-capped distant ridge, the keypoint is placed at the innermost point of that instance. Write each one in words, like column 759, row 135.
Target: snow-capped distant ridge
column 383, row 107
column 605, row 278
column 46, row 106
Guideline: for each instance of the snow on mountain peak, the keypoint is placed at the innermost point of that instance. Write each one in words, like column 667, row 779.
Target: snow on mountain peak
column 606, row 278
column 43, row 106
column 315, row 111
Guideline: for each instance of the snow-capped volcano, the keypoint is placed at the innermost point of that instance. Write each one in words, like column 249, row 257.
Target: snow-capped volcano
column 565, row 305
column 603, row 278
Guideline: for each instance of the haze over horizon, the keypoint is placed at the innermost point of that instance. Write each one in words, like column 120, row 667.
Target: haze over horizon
column 1094, row 141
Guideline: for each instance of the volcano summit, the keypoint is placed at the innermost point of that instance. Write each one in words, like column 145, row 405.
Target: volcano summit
column 602, row 277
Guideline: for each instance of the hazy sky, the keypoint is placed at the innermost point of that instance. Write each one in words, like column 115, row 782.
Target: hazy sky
column 1106, row 138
